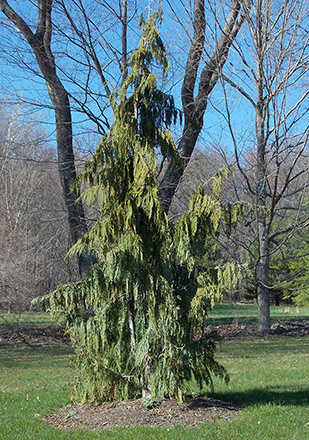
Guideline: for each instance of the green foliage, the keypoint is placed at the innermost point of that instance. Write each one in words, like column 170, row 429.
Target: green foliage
column 296, row 267
column 137, row 321
column 288, row 265
column 223, row 314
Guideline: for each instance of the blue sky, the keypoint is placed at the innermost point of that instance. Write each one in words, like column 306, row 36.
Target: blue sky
column 16, row 82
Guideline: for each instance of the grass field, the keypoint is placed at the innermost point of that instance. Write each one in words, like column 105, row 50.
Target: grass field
column 33, row 320
column 269, row 379
column 228, row 313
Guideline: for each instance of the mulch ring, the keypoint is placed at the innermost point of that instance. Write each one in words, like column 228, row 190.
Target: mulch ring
column 165, row 412
column 56, row 335
column 292, row 328
column 51, row 335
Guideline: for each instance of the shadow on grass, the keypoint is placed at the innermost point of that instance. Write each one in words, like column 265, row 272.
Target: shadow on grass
column 271, row 345
column 252, row 320
column 264, row 397
column 234, row 320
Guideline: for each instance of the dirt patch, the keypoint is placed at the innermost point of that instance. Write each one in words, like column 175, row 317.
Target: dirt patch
column 51, row 335
column 292, row 328
column 56, row 335
column 166, row 412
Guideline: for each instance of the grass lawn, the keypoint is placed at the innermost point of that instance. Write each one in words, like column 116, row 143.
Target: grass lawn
column 232, row 313
column 24, row 320
column 269, row 379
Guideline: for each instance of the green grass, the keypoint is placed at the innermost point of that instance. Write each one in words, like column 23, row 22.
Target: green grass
column 269, row 379
column 15, row 321
column 231, row 313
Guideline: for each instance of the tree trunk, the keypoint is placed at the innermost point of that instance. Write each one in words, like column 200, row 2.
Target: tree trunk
column 40, row 43
column 194, row 107
column 172, row 175
column 66, row 166
column 261, row 190
column 262, row 227
column 262, row 285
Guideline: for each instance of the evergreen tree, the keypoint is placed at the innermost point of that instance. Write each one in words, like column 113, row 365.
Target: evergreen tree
column 292, row 268
column 288, row 268
column 137, row 321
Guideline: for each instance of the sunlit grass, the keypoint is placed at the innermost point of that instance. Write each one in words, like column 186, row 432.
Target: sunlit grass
column 15, row 320
column 238, row 313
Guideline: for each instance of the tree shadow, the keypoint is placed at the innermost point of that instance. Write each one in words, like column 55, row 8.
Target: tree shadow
column 202, row 402
column 259, row 396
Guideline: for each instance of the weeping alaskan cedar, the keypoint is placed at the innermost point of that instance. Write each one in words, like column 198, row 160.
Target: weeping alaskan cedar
column 137, row 321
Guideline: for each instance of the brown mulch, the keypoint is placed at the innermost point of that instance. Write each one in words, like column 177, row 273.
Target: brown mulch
column 51, row 335
column 166, row 412
column 293, row 328
column 55, row 335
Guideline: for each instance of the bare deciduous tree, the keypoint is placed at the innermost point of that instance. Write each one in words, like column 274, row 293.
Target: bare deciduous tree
column 40, row 42
column 34, row 236
column 90, row 52
column 268, row 78
column 194, row 105
column 81, row 50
